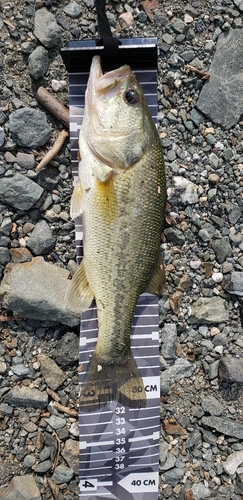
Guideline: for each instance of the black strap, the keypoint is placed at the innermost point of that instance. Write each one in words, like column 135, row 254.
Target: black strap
column 110, row 56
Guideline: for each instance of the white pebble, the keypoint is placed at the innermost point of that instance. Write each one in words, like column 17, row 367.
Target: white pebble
column 195, row 264
column 58, row 85
column 219, row 349
column 217, row 277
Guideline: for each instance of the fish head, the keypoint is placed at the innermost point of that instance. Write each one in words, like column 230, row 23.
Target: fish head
column 117, row 124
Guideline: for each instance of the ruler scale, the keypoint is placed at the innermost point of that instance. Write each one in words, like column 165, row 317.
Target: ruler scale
column 119, row 446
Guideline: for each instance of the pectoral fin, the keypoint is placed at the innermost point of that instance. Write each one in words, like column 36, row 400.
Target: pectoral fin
column 77, row 201
column 79, row 295
column 157, row 283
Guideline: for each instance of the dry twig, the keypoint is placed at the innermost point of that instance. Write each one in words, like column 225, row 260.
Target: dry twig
column 53, row 151
column 204, row 75
column 58, row 450
column 53, row 105
column 65, row 409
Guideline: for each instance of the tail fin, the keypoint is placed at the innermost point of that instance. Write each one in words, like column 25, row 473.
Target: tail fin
column 106, row 381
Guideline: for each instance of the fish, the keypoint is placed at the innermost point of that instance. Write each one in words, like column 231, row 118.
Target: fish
column 121, row 196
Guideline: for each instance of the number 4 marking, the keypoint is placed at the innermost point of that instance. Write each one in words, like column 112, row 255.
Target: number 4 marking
column 88, row 485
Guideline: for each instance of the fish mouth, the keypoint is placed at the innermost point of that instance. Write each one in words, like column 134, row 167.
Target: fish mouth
column 105, row 82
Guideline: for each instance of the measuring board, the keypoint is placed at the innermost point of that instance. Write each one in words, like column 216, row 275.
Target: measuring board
column 119, row 446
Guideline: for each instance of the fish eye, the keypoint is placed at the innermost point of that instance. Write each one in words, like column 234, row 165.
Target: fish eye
column 131, row 96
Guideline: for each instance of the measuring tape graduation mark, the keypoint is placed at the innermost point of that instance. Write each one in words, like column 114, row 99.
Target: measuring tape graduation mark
column 119, row 446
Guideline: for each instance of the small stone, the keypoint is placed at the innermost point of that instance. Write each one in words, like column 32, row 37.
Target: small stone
column 231, row 369
column 181, row 368
column 41, row 240
column 224, row 426
column 56, row 422
column 73, row 10
column 194, row 439
column 173, row 476
column 46, row 29
column 20, row 484
column 169, row 341
column 209, row 310
column 20, row 192
column 19, row 255
column 62, row 474
column 174, row 236
column 70, row 454
column 43, row 467
column 29, row 127
column 24, row 396
column 169, row 463
column 38, row 63
column 211, row 405
column 6, row 410
column 52, row 374
column 126, row 19
column 233, row 462
column 222, row 249
column 29, row 461
column 200, row 491
column 217, row 277
column 26, row 161
column 58, row 85
column 67, row 351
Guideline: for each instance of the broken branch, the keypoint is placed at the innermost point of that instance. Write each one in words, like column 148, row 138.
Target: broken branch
column 199, row 72
column 53, row 151
column 53, row 105
column 65, row 409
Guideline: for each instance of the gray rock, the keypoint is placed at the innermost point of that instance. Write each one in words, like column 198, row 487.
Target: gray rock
column 19, row 191
column 29, row 461
column 200, row 491
column 43, row 466
column 21, row 371
column 169, row 341
column 181, row 368
column 52, row 374
column 6, row 410
column 41, row 240
column 211, row 405
column 21, row 488
column 36, row 290
column 72, row 9
column 234, row 214
column 207, row 231
column 29, row 127
column 213, row 370
column 222, row 249
column 26, row 161
column 67, row 351
column 62, row 474
column 209, row 310
column 56, row 422
column 38, row 63
column 4, row 256
column 231, row 369
column 163, row 451
column 169, row 463
column 194, row 439
column 196, row 117
column 175, row 236
column 221, row 96
column 225, row 426
column 70, row 454
column 233, row 462
column 173, row 476
column 24, row 396
column 239, row 4
column 46, row 28
column 2, row 136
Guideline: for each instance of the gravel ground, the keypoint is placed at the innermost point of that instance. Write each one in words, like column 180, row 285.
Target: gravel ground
column 201, row 454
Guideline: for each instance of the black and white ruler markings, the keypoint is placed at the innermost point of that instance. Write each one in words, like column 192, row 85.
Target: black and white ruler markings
column 119, row 446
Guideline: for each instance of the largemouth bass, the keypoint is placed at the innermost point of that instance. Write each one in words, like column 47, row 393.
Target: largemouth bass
column 121, row 196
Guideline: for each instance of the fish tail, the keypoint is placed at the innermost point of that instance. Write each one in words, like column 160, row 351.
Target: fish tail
column 118, row 380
